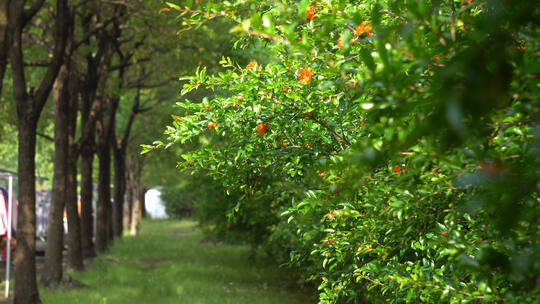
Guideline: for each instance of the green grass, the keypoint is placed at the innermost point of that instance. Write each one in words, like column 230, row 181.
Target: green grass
column 167, row 263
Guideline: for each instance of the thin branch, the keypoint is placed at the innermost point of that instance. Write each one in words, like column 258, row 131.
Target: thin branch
column 31, row 38
column 223, row 13
column 269, row 37
column 90, row 33
column 36, row 63
column 332, row 131
column 61, row 34
column 212, row 16
column 31, row 12
column 47, row 137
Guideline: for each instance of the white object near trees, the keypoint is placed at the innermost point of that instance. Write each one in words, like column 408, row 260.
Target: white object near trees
column 9, row 177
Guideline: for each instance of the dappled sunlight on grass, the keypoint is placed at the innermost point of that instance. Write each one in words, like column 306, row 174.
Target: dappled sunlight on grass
column 167, row 263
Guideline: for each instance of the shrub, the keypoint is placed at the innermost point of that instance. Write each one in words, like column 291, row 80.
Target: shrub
column 388, row 149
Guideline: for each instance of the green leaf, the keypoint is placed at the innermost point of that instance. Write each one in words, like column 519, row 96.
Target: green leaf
column 368, row 59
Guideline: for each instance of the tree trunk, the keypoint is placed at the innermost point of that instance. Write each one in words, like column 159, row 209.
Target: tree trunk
column 92, row 95
column 75, row 257
column 4, row 39
column 29, row 107
column 87, row 148
column 136, row 212
column 26, row 290
column 119, row 190
column 143, row 202
column 104, row 197
column 128, row 203
column 122, row 212
column 104, row 127
column 110, row 232
column 137, row 190
column 87, row 190
column 52, row 269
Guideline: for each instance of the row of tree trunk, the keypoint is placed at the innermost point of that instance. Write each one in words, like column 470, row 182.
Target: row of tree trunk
column 77, row 93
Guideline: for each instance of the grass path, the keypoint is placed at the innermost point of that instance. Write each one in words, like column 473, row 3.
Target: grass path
column 167, row 263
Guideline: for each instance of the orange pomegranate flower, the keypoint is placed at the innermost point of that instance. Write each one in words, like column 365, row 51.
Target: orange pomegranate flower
column 310, row 11
column 253, row 65
column 363, row 29
column 399, row 169
column 305, row 76
column 262, row 128
column 211, row 124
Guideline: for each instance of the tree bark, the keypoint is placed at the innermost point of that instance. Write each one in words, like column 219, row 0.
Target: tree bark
column 136, row 212
column 119, row 189
column 128, row 202
column 26, row 290
column 92, row 98
column 52, row 269
column 111, row 118
column 75, row 257
column 143, row 202
column 110, row 232
column 92, row 90
column 105, row 126
column 137, row 190
column 87, row 190
column 4, row 39
column 120, row 171
column 87, row 150
column 29, row 107
column 104, row 197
